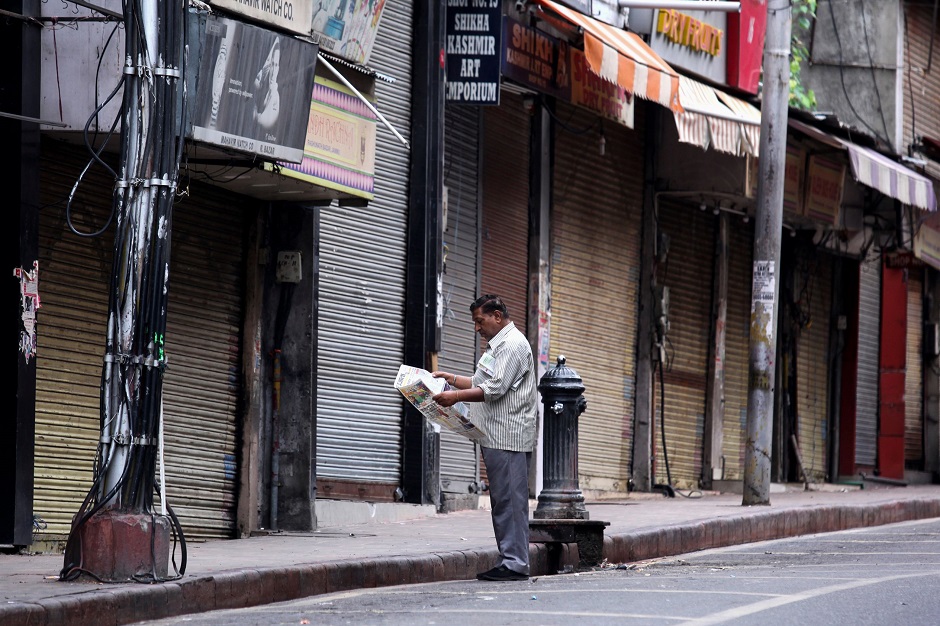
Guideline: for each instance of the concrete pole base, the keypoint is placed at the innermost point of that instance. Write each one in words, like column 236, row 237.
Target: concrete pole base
column 561, row 504
column 118, row 547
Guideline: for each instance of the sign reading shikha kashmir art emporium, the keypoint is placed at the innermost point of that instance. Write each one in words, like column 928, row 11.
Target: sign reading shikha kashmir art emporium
column 472, row 44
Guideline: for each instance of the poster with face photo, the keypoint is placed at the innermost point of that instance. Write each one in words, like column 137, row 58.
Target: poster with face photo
column 253, row 90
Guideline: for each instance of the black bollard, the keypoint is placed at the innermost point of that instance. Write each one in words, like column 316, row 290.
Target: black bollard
column 561, row 497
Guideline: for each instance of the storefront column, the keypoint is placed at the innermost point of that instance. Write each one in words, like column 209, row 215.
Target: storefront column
column 715, row 381
column 642, row 462
column 932, row 380
column 540, row 270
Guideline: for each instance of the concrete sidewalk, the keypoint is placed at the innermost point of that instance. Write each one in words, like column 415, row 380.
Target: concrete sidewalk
column 239, row 573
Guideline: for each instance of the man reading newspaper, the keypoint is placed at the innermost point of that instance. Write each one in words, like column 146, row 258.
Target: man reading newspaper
column 505, row 406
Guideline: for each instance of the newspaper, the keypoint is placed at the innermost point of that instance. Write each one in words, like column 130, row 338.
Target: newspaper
column 419, row 387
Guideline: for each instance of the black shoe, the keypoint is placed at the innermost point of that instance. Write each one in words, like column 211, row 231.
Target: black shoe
column 501, row 573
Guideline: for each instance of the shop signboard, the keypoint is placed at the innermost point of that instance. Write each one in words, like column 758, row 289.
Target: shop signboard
column 537, row 60
column 339, row 151
column 473, row 45
column 927, row 241
column 694, row 41
column 825, row 180
column 746, row 31
column 793, row 180
column 345, row 28
column 590, row 91
column 253, row 88
column 291, row 15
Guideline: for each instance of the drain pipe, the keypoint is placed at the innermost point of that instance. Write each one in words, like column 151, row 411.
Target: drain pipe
column 280, row 323
column 275, row 438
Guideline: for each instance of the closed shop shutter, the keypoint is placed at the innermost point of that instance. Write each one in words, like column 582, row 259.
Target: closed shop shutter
column 504, row 219
column 813, row 295
column 504, row 235
column 362, row 293
column 203, row 339
column 687, row 273
column 74, row 273
column 866, row 390
column 737, row 347
column 203, row 378
column 459, row 466
column 595, row 231
column 921, row 90
column 914, row 374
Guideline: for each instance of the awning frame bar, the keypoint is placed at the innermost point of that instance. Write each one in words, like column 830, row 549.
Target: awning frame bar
column 359, row 95
column 720, row 116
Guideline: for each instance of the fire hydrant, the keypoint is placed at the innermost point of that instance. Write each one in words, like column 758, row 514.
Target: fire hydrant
column 561, row 497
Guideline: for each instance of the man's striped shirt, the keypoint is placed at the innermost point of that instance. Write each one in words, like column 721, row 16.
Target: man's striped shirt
column 509, row 411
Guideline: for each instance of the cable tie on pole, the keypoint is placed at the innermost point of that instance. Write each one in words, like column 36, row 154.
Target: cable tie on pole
column 160, row 182
column 123, row 359
column 172, row 72
column 158, row 363
column 143, row 441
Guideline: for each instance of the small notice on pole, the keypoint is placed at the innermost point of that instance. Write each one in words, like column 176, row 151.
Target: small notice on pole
column 763, row 293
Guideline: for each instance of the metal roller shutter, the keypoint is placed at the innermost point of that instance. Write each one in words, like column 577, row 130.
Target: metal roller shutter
column 504, row 217
column 737, row 347
column 596, row 221
column 203, row 378
column 459, row 465
column 914, row 375
column 921, row 90
column 202, row 381
column 813, row 293
column 688, row 274
column 866, row 390
column 71, row 324
column 505, row 221
column 362, row 290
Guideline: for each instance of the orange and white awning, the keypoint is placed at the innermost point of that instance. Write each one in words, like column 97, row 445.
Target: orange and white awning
column 622, row 58
column 714, row 119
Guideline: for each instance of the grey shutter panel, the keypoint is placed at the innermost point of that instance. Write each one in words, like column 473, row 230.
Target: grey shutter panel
column 866, row 390
column 362, row 290
column 459, row 456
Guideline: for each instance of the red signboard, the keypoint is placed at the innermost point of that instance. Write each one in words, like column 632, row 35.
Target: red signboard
column 746, row 44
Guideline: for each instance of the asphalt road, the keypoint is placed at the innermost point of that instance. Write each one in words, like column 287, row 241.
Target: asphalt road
column 886, row 575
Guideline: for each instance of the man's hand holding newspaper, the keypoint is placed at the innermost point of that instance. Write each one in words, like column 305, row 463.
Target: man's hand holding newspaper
column 420, row 387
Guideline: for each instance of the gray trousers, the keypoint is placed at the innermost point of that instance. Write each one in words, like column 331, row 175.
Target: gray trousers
column 508, row 474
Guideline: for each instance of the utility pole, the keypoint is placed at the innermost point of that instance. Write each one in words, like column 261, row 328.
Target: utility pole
column 116, row 536
column 768, row 223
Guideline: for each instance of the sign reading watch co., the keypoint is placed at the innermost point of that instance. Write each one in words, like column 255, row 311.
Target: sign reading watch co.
column 473, row 48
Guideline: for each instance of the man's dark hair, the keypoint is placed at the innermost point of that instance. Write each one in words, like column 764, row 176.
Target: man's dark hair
column 490, row 303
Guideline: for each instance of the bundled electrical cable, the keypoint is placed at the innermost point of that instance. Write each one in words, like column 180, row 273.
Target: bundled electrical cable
column 144, row 194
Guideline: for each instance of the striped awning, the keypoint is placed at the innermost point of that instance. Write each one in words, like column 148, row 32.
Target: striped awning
column 714, row 119
column 877, row 171
column 622, row 58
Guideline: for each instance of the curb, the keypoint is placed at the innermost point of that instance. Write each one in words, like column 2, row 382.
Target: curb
column 253, row 587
